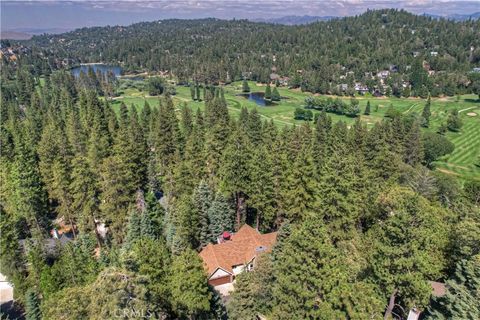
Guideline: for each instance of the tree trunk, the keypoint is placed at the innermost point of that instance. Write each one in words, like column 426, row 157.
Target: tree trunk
column 99, row 242
column 239, row 213
column 390, row 306
column 73, row 228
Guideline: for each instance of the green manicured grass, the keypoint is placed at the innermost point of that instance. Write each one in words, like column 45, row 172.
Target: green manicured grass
column 461, row 163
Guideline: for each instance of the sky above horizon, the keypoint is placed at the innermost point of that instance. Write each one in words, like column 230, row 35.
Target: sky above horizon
column 56, row 14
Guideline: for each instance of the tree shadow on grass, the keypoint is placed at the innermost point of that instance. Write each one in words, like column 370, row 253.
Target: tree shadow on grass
column 471, row 100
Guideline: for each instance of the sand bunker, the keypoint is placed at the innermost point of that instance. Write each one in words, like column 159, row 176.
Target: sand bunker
column 471, row 114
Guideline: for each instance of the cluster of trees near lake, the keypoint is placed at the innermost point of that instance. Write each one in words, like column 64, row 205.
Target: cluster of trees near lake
column 317, row 57
column 354, row 208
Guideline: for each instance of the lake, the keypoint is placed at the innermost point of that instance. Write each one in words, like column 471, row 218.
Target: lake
column 258, row 98
column 104, row 68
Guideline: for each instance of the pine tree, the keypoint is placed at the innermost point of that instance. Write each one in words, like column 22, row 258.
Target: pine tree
column 192, row 92
column 186, row 122
column 234, row 171
column 262, row 188
column 243, row 118
column 51, row 148
column 98, row 142
column 426, row 113
column 275, row 94
column 61, row 182
column 150, row 258
column 462, row 296
column 156, row 214
column 138, row 151
column 312, row 280
column 300, row 196
column 145, row 117
column 268, row 93
column 220, row 216
column 147, row 228
column 134, row 232
column 195, row 152
column 422, row 248
column 339, row 202
column 414, row 145
column 323, row 127
column 166, row 135
column 84, row 192
column 367, row 109
column 32, row 306
column 202, row 200
column 28, row 197
column 252, row 295
column 215, row 144
column 117, row 193
column 117, row 291
column 188, row 285
column 76, row 134
column 254, row 128
column 198, row 93
column 418, row 76
column 245, row 87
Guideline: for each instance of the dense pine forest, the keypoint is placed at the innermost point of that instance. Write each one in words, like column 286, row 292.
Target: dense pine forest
column 317, row 57
column 364, row 225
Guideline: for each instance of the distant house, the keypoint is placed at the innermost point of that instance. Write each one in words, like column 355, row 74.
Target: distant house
column 234, row 252
column 393, row 68
column 415, row 54
column 274, row 76
column 246, row 74
column 433, row 53
column 283, row 81
column 360, row 88
column 383, row 74
column 344, row 87
column 476, row 70
column 6, row 290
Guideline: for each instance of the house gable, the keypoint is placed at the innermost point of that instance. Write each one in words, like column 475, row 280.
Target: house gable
column 219, row 273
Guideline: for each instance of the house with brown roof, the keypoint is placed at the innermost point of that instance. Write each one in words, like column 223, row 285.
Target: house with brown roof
column 226, row 259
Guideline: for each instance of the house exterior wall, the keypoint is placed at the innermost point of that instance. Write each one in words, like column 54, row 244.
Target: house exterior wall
column 238, row 269
column 219, row 281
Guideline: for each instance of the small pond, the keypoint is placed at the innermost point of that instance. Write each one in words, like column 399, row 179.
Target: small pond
column 258, row 98
column 104, row 68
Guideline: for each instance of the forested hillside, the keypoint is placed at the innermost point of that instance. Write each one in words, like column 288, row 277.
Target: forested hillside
column 103, row 210
column 318, row 56
column 355, row 208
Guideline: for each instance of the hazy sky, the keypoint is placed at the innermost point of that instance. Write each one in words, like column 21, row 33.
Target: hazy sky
column 73, row 14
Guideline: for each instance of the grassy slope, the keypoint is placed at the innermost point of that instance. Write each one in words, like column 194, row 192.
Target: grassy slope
column 460, row 163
